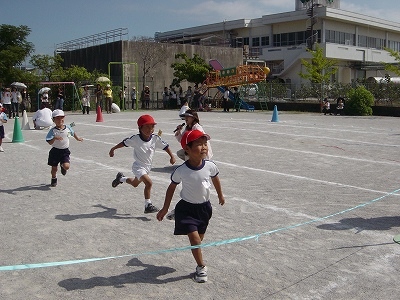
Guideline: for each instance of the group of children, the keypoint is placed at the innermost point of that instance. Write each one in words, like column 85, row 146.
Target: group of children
column 193, row 212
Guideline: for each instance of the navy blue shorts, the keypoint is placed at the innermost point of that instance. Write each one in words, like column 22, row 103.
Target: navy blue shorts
column 57, row 156
column 191, row 217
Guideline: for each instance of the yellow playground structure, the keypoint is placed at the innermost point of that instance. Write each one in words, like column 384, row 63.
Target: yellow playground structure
column 240, row 75
column 223, row 78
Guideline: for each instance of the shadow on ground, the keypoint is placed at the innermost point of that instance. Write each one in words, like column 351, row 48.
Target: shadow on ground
column 108, row 213
column 149, row 274
column 379, row 223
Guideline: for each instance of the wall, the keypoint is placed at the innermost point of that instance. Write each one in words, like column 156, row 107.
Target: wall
column 163, row 75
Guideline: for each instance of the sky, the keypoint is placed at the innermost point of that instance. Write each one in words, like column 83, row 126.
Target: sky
column 54, row 21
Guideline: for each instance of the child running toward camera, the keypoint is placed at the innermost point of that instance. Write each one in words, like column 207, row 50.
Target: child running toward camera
column 193, row 211
column 58, row 137
column 144, row 145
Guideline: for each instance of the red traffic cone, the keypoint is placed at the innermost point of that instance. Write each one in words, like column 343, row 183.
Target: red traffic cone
column 99, row 115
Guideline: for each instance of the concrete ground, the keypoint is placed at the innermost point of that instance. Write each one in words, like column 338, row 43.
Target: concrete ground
column 311, row 212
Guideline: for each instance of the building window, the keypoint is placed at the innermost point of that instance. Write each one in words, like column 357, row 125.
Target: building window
column 255, row 42
column 246, row 41
column 337, row 37
column 292, row 38
column 362, row 41
column 265, row 41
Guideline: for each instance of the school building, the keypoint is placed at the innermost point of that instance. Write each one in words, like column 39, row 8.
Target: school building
column 281, row 40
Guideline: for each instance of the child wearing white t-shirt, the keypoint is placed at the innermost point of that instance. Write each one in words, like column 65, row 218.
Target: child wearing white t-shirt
column 193, row 211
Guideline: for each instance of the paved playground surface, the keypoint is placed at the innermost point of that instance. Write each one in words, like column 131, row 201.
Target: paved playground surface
column 312, row 206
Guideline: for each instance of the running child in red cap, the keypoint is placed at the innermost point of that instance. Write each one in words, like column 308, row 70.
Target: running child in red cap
column 144, row 145
column 193, row 211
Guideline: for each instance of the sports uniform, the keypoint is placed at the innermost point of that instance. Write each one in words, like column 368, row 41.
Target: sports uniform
column 143, row 152
column 193, row 211
column 59, row 153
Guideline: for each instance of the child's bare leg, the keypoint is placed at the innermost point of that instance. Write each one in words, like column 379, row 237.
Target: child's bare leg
column 54, row 171
column 148, row 184
column 133, row 181
column 195, row 239
column 65, row 165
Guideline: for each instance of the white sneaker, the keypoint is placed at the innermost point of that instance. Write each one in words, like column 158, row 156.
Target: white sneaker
column 200, row 275
column 171, row 215
column 1, row 149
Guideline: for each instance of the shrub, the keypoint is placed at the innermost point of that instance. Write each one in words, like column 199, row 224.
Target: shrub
column 359, row 102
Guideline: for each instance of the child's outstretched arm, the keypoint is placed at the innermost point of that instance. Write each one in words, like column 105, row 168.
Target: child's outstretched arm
column 172, row 159
column 167, row 202
column 117, row 146
column 79, row 139
column 217, row 185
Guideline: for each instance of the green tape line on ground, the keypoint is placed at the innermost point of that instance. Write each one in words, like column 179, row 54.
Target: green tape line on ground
column 211, row 244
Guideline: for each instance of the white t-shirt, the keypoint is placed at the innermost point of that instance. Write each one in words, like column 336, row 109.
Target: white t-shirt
column 7, row 98
column 43, row 117
column 65, row 133
column 226, row 94
column 3, row 116
column 143, row 151
column 196, row 182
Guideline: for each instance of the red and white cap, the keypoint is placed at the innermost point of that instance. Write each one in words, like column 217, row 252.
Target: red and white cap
column 192, row 135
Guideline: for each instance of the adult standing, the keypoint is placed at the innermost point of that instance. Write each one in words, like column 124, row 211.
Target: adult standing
column 15, row 98
column 7, row 101
column 133, row 97
column 225, row 101
column 173, row 98
column 99, row 96
column 60, row 99
column 85, row 100
column 165, row 98
column 189, row 95
column 108, row 96
column 146, row 96
column 24, row 103
column 180, row 98
column 122, row 98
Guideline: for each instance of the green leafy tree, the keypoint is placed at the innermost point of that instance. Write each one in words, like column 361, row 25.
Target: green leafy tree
column 320, row 69
column 49, row 67
column 79, row 75
column 359, row 102
column 14, row 48
column 395, row 68
column 191, row 69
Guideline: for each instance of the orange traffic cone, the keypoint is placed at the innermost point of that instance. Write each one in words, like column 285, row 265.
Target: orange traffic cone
column 99, row 115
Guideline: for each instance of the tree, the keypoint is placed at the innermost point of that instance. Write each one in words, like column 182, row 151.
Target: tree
column 47, row 65
column 395, row 68
column 151, row 54
column 14, row 48
column 79, row 75
column 319, row 70
column 359, row 102
column 191, row 69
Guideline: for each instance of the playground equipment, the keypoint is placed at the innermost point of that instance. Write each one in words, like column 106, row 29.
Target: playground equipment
column 222, row 78
column 76, row 101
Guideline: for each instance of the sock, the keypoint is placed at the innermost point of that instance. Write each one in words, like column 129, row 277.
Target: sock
column 123, row 179
column 147, row 202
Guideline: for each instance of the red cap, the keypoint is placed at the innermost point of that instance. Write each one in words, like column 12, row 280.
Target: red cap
column 192, row 135
column 145, row 120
